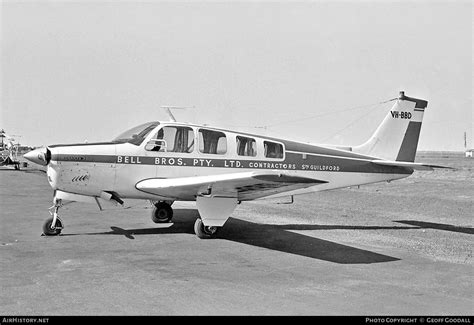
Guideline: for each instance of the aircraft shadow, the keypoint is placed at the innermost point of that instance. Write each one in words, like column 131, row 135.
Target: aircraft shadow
column 273, row 237
column 438, row 226
column 281, row 238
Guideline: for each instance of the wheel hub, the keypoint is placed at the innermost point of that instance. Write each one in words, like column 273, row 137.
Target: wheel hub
column 210, row 230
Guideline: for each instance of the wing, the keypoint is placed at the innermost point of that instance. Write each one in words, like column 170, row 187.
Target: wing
column 416, row 166
column 243, row 186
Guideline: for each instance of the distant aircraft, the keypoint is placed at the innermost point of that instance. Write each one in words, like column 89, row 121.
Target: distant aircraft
column 8, row 151
column 171, row 161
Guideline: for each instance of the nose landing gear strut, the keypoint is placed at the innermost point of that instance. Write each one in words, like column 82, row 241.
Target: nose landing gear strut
column 53, row 226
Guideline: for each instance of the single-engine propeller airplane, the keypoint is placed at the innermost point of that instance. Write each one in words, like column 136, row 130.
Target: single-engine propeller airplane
column 172, row 161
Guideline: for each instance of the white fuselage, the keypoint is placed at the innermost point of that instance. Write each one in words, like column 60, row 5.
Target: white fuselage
column 91, row 169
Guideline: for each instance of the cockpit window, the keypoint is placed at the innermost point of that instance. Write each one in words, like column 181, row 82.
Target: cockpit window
column 137, row 134
column 172, row 139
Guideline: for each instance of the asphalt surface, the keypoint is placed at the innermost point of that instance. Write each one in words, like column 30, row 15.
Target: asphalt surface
column 400, row 248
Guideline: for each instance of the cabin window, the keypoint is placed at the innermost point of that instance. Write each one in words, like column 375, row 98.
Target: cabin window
column 212, row 142
column 273, row 149
column 246, row 146
column 173, row 139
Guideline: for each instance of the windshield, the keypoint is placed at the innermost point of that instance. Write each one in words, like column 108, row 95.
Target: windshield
column 137, row 134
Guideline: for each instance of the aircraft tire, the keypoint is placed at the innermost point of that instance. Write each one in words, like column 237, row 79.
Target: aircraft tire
column 48, row 231
column 204, row 232
column 162, row 212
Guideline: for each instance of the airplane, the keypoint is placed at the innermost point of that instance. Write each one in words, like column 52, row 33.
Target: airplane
column 8, row 151
column 168, row 161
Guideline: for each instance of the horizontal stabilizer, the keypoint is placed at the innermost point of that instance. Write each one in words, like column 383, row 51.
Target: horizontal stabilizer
column 416, row 166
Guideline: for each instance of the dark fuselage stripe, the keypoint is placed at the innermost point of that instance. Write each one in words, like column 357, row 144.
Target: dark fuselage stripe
column 293, row 161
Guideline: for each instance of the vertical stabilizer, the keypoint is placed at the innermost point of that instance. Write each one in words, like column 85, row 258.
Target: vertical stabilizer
column 397, row 136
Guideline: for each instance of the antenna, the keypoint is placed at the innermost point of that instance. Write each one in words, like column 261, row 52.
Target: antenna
column 169, row 108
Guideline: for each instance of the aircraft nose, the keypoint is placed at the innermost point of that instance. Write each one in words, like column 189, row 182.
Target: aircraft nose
column 38, row 156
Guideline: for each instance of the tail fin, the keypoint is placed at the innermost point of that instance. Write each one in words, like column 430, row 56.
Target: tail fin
column 396, row 138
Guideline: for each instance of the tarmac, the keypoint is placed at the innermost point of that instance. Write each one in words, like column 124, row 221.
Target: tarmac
column 399, row 248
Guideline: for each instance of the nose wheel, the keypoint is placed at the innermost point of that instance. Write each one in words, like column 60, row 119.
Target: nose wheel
column 50, row 230
column 53, row 225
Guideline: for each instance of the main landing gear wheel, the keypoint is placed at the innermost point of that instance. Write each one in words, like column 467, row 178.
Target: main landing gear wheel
column 162, row 212
column 52, row 230
column 204, row 232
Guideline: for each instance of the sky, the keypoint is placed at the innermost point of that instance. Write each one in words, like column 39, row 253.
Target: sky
column 311, row 71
